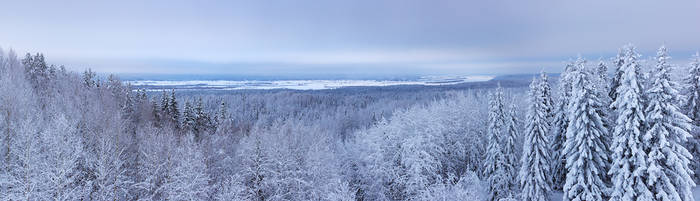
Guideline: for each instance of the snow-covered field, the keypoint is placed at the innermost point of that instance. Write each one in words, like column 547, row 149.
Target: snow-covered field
column 302, row 84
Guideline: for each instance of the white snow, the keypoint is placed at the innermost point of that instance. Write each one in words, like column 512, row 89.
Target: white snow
column 556, row 196
column 559, row 196
column 306, row 84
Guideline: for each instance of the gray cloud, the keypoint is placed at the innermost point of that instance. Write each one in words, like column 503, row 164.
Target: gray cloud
column 399, row 35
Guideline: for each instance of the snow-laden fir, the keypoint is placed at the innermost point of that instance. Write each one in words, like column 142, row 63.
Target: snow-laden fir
column 497, row 168
column 692, row 108
column 535, row 162
column 584, row 148
column 667, row 130
column 628, row 154
column 560, row 123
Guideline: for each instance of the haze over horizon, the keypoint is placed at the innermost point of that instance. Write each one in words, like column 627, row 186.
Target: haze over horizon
column 342, row 37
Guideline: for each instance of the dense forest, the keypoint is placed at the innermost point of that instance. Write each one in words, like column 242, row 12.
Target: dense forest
column 593, row 133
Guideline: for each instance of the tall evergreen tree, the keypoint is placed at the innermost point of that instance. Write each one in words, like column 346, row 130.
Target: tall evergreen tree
column 223, row 122
column 669, row 174
column 692, row 103
column 585, row 150
column 89, row 78
column 174, row 112
column 164, row 107
column 629, row 158
column 534, row 169
column 142, row 97
column 692, row 108
column 602, row 78
column 188, row 117
column 618, row 61
column 202, row 119
column 115, row 85
column 545, row 93
column 36, row 70
column 602, row 91
column 222, row 114
column 509, row 146
column 496, row 167
column 155, row 109
column 128, row 109
column 602, row 88
column 558, row 129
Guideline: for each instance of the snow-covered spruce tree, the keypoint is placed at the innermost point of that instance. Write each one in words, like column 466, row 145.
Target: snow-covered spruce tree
column 618, row 61
column 141, row 96
column 668, row 171
column 173, row 111
column 629, row 166
column 558, row 129
column 221, row 114
column 188, row 117
column 164, row 107
column 584, row 148
column 222, row 119
column 692, row 108
column 164, row 102
column 203, row 122
column 510, row 148
column 89, row 78
column 128, row 107
column 496, row 168
column 155, row 109
column 602, row 83
column 692, row 82
column 602, row 73
column 545, row 93
column 36, row 70
column 534, row 170
column 557, row 137
column 601, row 89
column 115, row 85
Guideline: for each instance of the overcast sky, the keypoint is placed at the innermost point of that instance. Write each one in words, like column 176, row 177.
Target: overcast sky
column 349, row 36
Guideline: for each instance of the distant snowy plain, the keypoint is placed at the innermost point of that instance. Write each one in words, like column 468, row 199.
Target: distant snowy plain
column 298, row 84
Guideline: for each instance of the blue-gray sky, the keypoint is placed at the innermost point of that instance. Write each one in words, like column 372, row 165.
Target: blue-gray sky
column 348, row 36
